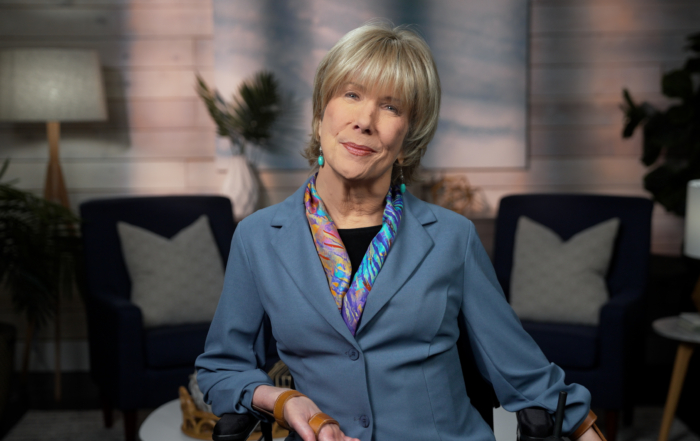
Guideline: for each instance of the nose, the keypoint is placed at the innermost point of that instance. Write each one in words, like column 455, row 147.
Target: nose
column 364, row 118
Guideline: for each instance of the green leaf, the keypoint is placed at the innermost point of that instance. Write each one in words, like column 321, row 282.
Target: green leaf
column 251, row 113
column 677, row 84
column 668, row 186
column 656, row 137
column 34, row 251
column 680, row 115
column 692, row 65
column 634, row 114
column 693, row 42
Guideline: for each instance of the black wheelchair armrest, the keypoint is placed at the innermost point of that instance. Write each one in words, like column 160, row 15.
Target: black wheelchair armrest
column 238, row 427
column 534, row 424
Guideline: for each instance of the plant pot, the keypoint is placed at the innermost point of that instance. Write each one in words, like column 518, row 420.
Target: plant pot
column 241, row 186
column 8, row 336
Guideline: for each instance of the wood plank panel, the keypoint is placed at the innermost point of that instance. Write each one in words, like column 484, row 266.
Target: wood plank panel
column 129, row 3
column 204, row 52
column 204, row 174
column 194, row 21
column 106, row 22
column 616, row 17
column 587, row 141
column 133, row 113
column 588, row 80
column 107, row 175
column 141, row 114
column 117, row 53
column 554, row 172
column 77, row 197
column 607, row 48
column 202, row 117
column 108, row 144
column 581, row 112
column 154, row 83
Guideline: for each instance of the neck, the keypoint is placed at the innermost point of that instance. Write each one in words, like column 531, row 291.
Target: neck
column 352, row 204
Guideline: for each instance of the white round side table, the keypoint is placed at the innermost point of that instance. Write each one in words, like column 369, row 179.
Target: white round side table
column 670, row 327
column 163, row 424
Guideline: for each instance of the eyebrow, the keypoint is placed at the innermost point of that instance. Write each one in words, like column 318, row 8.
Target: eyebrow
column 364, row 89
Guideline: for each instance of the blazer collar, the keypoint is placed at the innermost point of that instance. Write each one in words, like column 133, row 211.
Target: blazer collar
column 297, row 252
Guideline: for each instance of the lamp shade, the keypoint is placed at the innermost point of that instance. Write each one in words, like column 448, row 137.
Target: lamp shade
column 692, row 220
column 51, row 85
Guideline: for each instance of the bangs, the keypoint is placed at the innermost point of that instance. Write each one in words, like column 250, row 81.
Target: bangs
column 378, row 64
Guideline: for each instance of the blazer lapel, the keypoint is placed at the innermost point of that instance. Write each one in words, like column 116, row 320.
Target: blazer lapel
column 296, row 250
column 411, row 246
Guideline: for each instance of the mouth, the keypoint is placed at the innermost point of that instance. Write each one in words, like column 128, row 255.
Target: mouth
column 357, row 150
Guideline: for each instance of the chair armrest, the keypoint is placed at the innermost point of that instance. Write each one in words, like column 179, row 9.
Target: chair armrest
column 617, row 319
column 116, row 338
column 238, row 427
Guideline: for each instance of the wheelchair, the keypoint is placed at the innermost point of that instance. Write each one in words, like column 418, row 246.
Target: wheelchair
column 534, row 424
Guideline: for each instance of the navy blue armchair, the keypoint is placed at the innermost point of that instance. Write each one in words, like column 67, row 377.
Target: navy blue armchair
column 136, row 367
column 600, row 358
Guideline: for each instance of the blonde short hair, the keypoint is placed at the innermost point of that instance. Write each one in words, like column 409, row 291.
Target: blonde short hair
column 385, row 57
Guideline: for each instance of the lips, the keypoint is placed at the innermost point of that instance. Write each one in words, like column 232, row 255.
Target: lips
column 357, row 150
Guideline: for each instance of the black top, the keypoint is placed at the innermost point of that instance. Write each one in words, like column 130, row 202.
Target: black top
column 356, row 241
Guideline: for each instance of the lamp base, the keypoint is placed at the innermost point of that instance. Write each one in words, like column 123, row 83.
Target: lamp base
column 55, row 191
column 695, row 297
column 55, row 186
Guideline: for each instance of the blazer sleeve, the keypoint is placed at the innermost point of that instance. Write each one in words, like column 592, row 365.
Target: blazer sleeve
column 505, row 353
column 229, row 370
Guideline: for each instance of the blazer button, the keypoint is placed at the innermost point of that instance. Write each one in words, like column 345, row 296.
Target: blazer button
column 353, row 354
column 364, row 421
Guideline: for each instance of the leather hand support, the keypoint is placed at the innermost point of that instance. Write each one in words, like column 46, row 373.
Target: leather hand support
column 278, row 410
column 585, row 425
column 320, row 419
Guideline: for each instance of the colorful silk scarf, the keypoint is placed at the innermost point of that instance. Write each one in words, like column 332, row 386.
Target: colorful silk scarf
column 350, row 296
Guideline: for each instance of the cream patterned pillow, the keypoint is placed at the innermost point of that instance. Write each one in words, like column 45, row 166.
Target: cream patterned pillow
column 173, row 281
column 555, row 281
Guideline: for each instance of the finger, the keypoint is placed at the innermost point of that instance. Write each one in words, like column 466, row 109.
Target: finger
column 332, row 432
column 305, row 432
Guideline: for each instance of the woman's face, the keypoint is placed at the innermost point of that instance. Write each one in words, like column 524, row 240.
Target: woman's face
column 362, row 133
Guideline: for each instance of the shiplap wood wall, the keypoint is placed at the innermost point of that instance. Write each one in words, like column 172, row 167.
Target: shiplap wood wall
column 159, row 139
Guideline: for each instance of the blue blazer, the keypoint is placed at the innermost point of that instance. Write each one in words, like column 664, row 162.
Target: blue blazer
column 399, row 377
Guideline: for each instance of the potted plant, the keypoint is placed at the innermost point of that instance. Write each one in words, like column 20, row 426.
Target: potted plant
column 39, row 256
column 671, row 136
column 247, row 120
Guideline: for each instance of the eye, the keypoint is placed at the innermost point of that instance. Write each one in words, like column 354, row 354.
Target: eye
column 392, row 108
column 351, row 95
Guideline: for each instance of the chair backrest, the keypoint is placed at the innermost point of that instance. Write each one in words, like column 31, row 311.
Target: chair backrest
column 568, row 214
column 164, row 215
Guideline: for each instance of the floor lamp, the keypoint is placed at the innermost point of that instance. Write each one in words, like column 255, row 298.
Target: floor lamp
column 51, row 86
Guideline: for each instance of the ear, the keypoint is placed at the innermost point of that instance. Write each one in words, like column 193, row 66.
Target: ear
column 401, row 157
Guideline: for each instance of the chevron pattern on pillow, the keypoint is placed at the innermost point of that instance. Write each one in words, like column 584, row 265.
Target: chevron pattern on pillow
column 557, row 281
column 174, row 281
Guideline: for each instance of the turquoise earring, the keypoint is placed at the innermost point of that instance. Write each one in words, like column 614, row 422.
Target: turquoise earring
column 320, row 157
column 403, row 186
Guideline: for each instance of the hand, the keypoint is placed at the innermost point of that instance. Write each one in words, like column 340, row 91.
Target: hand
column 297, row 412
column 590, row 435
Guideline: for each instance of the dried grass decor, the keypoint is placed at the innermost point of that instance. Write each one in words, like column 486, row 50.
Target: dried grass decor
column 195, row 423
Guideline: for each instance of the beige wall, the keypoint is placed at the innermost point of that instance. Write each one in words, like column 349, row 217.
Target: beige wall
column 159, row 139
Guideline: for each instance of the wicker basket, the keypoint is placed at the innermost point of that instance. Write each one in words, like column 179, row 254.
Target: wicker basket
column 200, row 425
column 195, row 423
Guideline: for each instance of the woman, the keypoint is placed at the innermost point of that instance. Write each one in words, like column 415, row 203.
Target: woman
column 364, row 284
